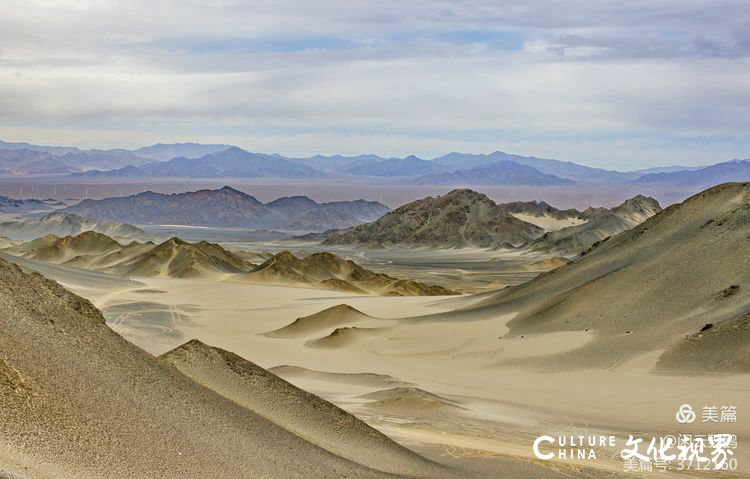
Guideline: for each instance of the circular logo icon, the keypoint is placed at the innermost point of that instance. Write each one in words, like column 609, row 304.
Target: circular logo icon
column 685, row 414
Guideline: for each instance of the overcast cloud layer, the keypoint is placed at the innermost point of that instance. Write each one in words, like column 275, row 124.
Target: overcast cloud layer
column 614, row 84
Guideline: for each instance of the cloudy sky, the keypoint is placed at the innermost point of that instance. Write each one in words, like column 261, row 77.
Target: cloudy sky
column 614, row 84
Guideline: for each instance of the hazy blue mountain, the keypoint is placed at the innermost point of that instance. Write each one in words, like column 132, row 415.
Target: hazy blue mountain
column 230, row 163
column 409, row 166
column 236, row 162
column 667, row 169
column 181, row 167
column 228, row 207
column 562, row 169
column 125, row 172
column 30, row 162
column 163, row 152
column 337, row 163
column 14, row 159
column 728, row 171
column 101, row 159
column 55, row 150
column 218, row 160
column 23, row 161
column 464, row 161
column 292, row 205
column 500, row 173
column 47, row 165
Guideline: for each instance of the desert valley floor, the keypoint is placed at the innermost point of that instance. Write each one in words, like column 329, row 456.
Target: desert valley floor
column 464, row 354
column 436, row 386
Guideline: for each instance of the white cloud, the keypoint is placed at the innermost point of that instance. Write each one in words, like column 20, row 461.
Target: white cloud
column 389, row 77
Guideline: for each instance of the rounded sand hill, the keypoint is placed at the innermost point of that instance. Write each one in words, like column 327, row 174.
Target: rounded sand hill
column 327, row 319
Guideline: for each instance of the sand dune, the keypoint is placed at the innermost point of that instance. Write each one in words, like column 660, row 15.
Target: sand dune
column 7, row 242
column 341, row 285
column 327, row 319
column 296, row 410
column 173, row 258
column 176, row 258
column 53, row 249
column 345, row 336
column 81, row 281
column 370, row 380
column 549, row 222
column 722, row 348
column 326, row 270
column 642, row 290
column 409, row 401
column 458, row 356
column 79, row 401
column 546, row 264
column 113, row 260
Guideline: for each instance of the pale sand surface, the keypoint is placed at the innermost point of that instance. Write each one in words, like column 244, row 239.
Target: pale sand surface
column 79, row 401
column 503, row 409
column 547, row 222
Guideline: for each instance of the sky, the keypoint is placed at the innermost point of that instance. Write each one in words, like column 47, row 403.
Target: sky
column 615, row 84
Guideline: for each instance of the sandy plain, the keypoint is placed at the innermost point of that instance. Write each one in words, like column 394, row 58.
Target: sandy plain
column 452, row 385
column 450, row 398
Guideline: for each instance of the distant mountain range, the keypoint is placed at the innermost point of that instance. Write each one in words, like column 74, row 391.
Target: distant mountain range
column 24, row 161
column 502, row 173
column 728, row 171
column 228, row 207
column 230, row 163
column 667, row 169
column 67, row 224
column 409, row 166
column 562, row 169
column 194, row 160
column 55, row 150
column 338, row 163
column 466, row 218
column 163, row 152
